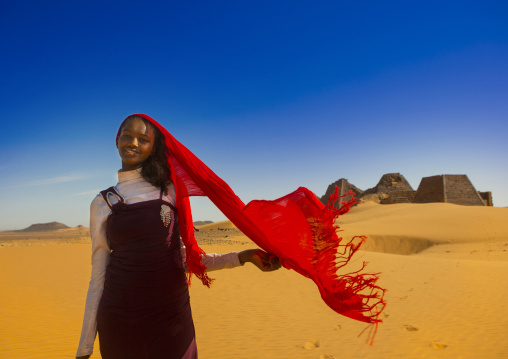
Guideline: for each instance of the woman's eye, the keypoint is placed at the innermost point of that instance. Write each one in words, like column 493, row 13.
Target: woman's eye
column 143, row 140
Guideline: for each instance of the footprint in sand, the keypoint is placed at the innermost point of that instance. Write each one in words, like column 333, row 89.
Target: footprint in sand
column 326, row 356
column 438, row 345
column 410, row 328
column 386, row 315
column 311, row 345
column 403, row 297
column 337, row 327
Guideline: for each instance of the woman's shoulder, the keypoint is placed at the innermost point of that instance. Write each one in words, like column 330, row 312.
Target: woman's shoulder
column 110, row 191
column 98, row 202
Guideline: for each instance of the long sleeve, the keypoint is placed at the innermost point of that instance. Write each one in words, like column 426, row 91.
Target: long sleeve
column 100, row 259
column 213, row 261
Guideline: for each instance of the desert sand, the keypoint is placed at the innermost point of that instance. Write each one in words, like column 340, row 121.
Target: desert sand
column 444, row 267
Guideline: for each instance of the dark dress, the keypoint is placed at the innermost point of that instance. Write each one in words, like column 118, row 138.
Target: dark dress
column 144, row 311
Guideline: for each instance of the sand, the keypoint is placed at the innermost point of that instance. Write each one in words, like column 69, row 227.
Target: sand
column 444, row 266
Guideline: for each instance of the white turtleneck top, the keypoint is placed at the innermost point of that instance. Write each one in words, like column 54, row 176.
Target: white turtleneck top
column 133, row 188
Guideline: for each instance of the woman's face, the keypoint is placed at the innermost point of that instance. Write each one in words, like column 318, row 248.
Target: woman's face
column 135, row 144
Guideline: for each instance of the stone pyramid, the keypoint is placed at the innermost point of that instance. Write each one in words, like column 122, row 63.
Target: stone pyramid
column 344, row 187
column 456, row 189
column 391, row 188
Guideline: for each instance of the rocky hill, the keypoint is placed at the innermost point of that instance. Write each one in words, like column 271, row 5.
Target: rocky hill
column 43, row 227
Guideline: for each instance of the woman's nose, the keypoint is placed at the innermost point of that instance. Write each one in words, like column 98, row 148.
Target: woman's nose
column 134, row 142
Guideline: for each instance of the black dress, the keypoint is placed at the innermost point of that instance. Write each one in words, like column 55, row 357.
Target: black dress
column 144, row 311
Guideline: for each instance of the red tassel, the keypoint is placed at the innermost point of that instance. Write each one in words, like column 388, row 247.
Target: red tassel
column 360, row 297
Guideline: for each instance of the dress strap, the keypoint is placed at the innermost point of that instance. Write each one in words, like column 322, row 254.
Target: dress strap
column 111, row 191
column 160, row 196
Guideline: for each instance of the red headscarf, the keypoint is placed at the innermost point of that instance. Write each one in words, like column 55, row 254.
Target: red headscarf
column 297, row 228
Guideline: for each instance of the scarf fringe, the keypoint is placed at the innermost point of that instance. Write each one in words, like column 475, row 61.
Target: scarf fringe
column 355, row 294
column 194, row 253
column 194, row 257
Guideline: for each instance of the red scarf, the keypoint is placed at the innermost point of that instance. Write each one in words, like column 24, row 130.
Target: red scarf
column 297, row 228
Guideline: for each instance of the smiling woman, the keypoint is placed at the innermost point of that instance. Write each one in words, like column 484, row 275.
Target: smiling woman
column 141, row 145
column 138, row 300
column 135, row 143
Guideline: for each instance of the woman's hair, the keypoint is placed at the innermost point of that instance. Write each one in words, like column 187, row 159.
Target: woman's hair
column 155, row 169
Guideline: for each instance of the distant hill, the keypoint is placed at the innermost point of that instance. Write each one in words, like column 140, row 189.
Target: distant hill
column 43, row 227
column 201, row 223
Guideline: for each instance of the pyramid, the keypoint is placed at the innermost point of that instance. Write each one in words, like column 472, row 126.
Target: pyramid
column 344, row 187
column 391, row 188
column 456, row 189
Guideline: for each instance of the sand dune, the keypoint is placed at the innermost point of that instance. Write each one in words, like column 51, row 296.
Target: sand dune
column 216, row 226
column 444, row 267
column 436, row 222
column 413, row 228
column 78, row 234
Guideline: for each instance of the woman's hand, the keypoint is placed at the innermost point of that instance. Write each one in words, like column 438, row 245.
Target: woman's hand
column 264, row 261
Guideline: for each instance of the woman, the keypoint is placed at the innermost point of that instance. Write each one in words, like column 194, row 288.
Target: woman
column 138, row 299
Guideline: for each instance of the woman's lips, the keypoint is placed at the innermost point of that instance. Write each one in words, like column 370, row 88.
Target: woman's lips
column 130, row 151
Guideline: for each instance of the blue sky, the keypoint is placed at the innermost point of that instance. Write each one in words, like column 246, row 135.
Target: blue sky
column 272, row 95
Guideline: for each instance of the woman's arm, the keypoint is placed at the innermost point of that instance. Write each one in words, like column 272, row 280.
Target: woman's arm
column 213, row 261
column 100, row 258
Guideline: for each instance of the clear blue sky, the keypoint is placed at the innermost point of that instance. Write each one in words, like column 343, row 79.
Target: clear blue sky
column 272, row 95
